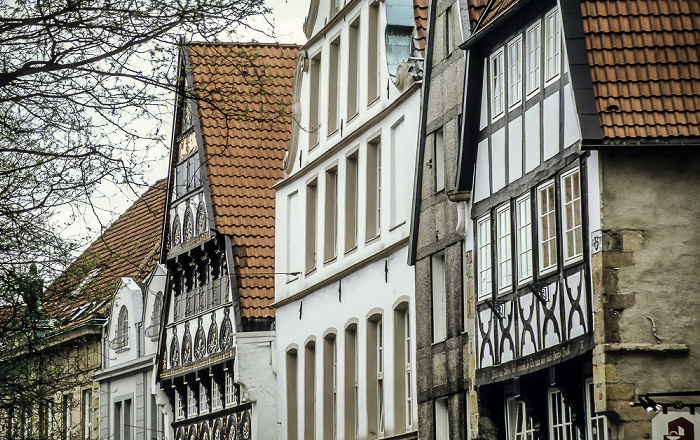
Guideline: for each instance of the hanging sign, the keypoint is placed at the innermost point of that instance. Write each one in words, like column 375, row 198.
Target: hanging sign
column 676, row 425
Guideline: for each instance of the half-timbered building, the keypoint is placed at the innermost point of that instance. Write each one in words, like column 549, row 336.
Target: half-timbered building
column 231, row 129
column 570, row 110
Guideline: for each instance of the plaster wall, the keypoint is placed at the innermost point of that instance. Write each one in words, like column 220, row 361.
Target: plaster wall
column 647, row 280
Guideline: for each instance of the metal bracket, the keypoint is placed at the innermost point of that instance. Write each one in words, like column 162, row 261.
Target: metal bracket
column 498, row 307
column 540, row 291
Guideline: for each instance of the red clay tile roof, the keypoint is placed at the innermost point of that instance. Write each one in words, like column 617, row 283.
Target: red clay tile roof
column 645, row 66
column 245, row 134
column 475, row 9
column 129, row 247
column 420, row 14
column 489, row 13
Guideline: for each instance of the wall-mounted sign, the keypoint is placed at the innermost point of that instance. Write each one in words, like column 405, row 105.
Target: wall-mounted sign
column 596, row 241
column 676, row 425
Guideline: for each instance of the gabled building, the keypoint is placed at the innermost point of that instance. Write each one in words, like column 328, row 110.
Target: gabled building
column 344, row 293
column 436, row 246
column 232, row 125
column 579, row 147
column 49, row 391
column 131, row 405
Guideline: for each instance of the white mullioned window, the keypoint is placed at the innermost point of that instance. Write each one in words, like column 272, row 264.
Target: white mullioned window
column 179, row 406
column 216, row 402
column 515, row 71
column 87, row 414
column 561, row 426
column 503, row 251
column 203, row 398
column 483, row 242
column 596, row 424
column 571, row 215
column 409, row 371
column 546, row 211
column 230, row 391
column 523, row 225
column 356, row 406
column 552, row 44
column 497, row 83
column 380, row 376
column 520, row 425
column 533, row 48
column 191, row 402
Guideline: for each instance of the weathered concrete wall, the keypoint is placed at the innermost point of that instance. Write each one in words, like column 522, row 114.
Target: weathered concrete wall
column 645, row 283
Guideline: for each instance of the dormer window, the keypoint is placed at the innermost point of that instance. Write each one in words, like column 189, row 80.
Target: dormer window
column 121, row 338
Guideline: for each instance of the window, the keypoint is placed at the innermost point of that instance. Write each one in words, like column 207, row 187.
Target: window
column 439, row 160
column 330, row 230
column 380, row 377
column 552, row 45
column 155, row 316
column 191, row 402
column 561, row 426
column 67, row 409
column 353, row 73
column 315, row 100
column 179, row 406
column 373, row 53
column 87, row 414
column 520, row 425
column 310, row 391
column 203, row 398
column 118, row 420
column 449, row 42
column 442, row 424
column 403, row 371
column 333, row 74
column 596, row 424
column 352, row 383
column 216, row 402
column 374, row 189
column 126, row 427
column 375, row 377
column 515, row 71
column 524, row 238
column 311, row 211
column 483, row 242
column 351, row 174
column 330, row 389
column 121, row 339
column 533, row 47
column 547, row 227
column 230, row 397
column 292, row 393
column 439, row 280
column 497, row 83
column 293, row 236
column 571, row 215
column 503, row 250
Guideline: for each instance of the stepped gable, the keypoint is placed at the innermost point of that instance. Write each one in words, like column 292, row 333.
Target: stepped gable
column 129, row 247
column 246, row 127
column 645, row 65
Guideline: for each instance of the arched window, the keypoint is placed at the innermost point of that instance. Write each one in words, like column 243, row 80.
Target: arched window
column 122, row 336
column 152, row 330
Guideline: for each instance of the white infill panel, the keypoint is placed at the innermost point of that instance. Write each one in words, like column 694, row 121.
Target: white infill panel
column 572, row 130
column 551, row 125
column 515, row 149
column 532, row 138
column 484, row 115
column 498, row 159
column 481, row 185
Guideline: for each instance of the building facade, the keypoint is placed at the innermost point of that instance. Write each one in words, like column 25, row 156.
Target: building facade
column 217, row 355
column 437, row 245
column 344, row 293
column 564, row 144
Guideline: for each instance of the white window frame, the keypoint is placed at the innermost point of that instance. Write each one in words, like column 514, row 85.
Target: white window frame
column 483, row 242
column 520, row 426
column 216, row 401
column 515, row 71
column 192, row 407
column 523, row 226
column 497, row 83
column 504, row 248
column 593, row 420
column 409, row 370
column 572, row 216
column 533, row 51
column 561, row 426
column 204, row 402
column 442, row 418
column 380, row 378
column 87, row 414
column 439, row 296
column 179, row 406
column 552, row 45
column 551, row 241
column 230, row 391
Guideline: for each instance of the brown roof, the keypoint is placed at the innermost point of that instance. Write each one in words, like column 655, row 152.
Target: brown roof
column 475, row 8
column 245, row 131
column 645, row 66
column 129, row 247
column 420, row 14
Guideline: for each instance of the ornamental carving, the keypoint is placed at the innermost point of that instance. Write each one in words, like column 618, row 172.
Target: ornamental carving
column 176, row 238
column 187, row 345
column 201, row 219
column 199, row 341
column 213, row 342
column 232, row 427
column 188, row 225
column 226, row 340
column 174, row 352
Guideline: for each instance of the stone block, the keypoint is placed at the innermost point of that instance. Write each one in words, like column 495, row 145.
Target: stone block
column 611, row 373
column 633, row 240
column 617, row 259
column 636, row 430
column 620, row 391
column 620, row 302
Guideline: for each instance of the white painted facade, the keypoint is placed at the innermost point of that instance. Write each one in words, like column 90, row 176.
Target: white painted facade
column 132, row 406
column 342, row 223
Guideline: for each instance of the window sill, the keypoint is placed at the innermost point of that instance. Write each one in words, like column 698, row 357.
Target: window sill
column 352, row 118
column 331, row 260
column 292, row 280
column 332, row 133
column 397, row 226
column 351, row 250
column 372, row 239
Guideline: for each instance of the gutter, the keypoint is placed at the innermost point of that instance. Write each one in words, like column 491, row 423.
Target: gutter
column 418, row 176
